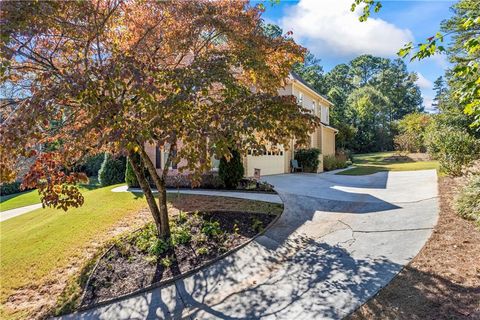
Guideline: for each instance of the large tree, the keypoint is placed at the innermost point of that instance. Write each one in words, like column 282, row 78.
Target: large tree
column 113, row 75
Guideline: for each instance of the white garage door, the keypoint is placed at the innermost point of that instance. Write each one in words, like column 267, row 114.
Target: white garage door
column 268, row 164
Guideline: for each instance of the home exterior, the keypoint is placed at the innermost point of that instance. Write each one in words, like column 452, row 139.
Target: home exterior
column 278, row 161
column 323, row 138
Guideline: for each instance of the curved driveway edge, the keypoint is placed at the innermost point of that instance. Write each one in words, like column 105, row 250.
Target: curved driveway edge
column 259, row 196
column 339, row 240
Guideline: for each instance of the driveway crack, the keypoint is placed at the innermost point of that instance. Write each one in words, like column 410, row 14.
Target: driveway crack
column 352, row 240
column 392, row 230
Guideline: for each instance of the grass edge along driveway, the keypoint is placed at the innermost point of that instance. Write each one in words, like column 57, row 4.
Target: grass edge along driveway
column 369, row 163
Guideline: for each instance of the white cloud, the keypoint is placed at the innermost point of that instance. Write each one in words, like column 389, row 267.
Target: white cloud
column 427, row 103
column 329, row 28
column 423, row 82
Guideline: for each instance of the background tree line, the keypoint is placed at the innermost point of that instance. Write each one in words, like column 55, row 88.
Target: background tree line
column 370, row 94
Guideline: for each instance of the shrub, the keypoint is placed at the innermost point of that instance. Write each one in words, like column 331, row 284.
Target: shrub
column 93, row 164
column 467, row 203
column 308, row 159
column 405, row 143
column 412, row 129
column 130, row 177
column 181, row 235
column 231, row 171
column 211, row 228
column 112, row 170
column 333, row 162
column 345, row 152
column 10, row 188
column 453, row 148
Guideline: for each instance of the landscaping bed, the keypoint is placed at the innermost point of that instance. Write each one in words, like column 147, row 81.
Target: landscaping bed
column 140, row 260
column 443, row 280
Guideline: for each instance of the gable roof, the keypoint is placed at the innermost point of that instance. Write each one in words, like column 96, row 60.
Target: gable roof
column 296, row 77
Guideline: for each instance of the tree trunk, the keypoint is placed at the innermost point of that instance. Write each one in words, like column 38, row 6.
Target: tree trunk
column 162, row 191
column 147, row 190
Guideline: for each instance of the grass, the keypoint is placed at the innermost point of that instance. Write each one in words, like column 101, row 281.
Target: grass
column 17, row 200
column 43, row 240
column 26, row 198
column 34, row 246
column 370, row 163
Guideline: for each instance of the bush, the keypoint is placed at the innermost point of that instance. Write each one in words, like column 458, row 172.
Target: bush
column 412, row 131
column 308, row 159
column 467, row 204
column 211, row 228
column 112, row 170
column 10, row 188
column 93, row 164
column 130, row 177
column 345, row 152
column 405, row 143
column 231, row 171
column 333, row 162
column 453, row 148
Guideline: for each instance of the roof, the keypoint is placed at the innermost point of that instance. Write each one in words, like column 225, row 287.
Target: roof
column 329, row 127
column 306, row 84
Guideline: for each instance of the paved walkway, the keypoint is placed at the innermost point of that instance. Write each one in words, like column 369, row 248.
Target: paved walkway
column 8, row 214
column 339, row 240
column 232, row 194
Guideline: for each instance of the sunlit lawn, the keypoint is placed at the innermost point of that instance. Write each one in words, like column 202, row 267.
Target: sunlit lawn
column 34, row 244
column 37, row 243
column 369, row 163
column 22, row 199
column 18, row 200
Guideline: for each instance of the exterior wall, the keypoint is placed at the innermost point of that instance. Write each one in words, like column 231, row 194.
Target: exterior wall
column 328, row 141
column 323, row 138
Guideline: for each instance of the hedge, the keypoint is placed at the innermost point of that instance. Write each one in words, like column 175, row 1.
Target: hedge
column 112, row 170
column 308, row 159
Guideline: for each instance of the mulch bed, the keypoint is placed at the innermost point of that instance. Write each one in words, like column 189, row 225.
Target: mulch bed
column 126, row 268
column 443, row 280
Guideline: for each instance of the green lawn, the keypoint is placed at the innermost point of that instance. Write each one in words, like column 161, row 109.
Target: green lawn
column 22, row 199
column 369, row 163
column 38, row 242
column 18, row 200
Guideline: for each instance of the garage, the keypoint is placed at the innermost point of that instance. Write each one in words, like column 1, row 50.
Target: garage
column 273, row 162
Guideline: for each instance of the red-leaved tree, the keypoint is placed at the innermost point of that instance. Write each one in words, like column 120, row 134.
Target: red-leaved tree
column 113, row 75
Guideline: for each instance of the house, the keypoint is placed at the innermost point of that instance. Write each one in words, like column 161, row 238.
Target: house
column 278, row 161
column 323, row 138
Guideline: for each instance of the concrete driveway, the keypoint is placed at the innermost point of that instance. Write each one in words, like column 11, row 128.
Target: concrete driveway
column 339, row 240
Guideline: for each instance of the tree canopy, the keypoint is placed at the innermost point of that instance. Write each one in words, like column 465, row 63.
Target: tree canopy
column 113, row 75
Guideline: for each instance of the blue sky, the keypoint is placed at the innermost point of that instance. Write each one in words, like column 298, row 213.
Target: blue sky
column 334, row 34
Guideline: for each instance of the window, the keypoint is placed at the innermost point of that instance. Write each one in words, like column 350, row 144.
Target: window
column 300, row 99
column 325, row 116
column 174, row 160
column 158, row 158
column 313, row 107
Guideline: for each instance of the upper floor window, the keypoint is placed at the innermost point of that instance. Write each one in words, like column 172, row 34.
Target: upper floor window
column 325, row 116
column 313, row 107
column 300, row 99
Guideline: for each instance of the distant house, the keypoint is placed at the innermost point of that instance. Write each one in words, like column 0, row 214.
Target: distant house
column 278, row 161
